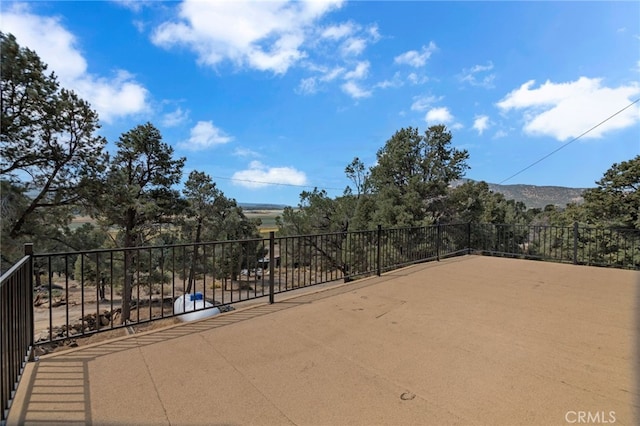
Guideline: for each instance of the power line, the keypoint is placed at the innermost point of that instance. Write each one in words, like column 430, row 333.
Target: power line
column 570, row 142
column 275, row 183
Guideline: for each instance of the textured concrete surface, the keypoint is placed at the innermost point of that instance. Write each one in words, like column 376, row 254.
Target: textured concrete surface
column 471, row 340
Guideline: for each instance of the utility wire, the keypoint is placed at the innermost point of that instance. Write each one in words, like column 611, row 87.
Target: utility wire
column 570, row 142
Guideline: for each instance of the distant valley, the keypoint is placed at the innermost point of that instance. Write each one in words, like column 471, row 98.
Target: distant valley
column 531, row 195
column 261, row 206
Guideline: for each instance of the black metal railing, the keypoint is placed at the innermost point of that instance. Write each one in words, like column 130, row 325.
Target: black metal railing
column 619, row 248
column 81, row 293
column 16, row 327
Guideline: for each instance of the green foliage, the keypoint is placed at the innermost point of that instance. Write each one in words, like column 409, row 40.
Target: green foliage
column 87, row 267
column 13, row 202
column 614, row 203
column 359, row 175
column 475, row 202
column 616, row 200
column 137, row 193
column 210, row 216
column 412, row 174
column 406, row 188
column 50, row 155
column 317, row 214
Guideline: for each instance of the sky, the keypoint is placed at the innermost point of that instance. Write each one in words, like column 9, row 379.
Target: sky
column 274, row 98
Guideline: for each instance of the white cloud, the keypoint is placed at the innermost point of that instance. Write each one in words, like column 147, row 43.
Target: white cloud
column 334, row 56
column 352, row 89
column 134, row 5
column 479, row 75
column 481, row 123
column 385, row 84
column 440, row 115
column 267, row 36
column 374, row 32
column 355, row 39
column 500, row 134
column 414, row 58
column 205, row 135
column 566, row 110
column 245, row 152
column 396, row 81
column 353, row 46
column 175, row 118
column 259, row 175
column 51, row 41
column 140, row 25
column 311, row 85
column 337, row 32
column 422, row 103
column 416, row 79
column 332, row 74
column 307, row 86
column 114, row 96
column 360, row 71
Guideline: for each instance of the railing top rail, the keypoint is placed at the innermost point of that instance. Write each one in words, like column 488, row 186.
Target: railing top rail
column 433, row 225
column 153, row 247
column 5, row 276
column 569, row 226
column 312, row 235
column 452, row 224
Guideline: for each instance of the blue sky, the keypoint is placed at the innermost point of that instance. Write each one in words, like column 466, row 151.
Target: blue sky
column 272, row 98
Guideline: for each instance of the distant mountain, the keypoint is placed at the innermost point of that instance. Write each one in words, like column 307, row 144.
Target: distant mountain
column 538, row 196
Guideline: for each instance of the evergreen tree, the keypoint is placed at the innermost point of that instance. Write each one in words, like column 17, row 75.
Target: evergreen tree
column 616, row 200
column 138, row 196
column 210, row 216
column 50, row 155
column 412, row 174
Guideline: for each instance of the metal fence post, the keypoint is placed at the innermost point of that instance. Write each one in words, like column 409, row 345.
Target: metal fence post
column 575, row 243
column 378, row 265
column 469, row 238
column 345, row 258
column 272, row 261
column 438, row 237
column 28, row 251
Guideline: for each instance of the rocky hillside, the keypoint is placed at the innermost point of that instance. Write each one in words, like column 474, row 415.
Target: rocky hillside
column 536, row 196
column 539, row 196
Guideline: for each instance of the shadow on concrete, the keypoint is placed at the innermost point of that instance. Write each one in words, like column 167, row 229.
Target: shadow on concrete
column 62, row 378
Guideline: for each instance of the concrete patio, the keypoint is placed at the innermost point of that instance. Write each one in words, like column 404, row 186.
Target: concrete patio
column 471, row 340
